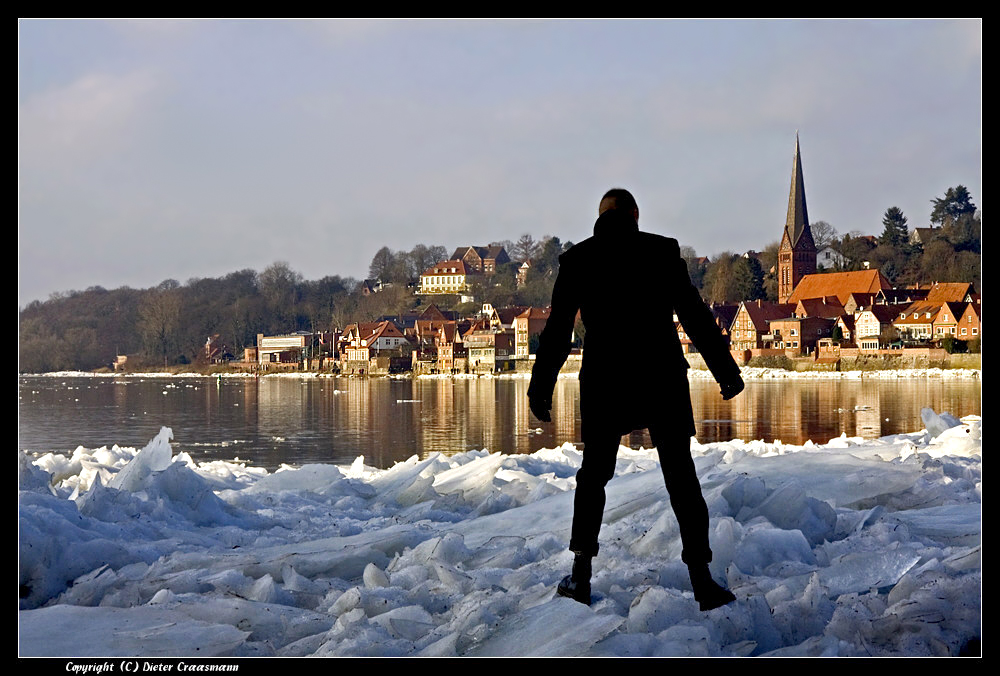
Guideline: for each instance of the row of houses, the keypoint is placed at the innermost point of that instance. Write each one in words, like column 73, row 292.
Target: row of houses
column 856, row 310
column 438, row 342
column 432, row 341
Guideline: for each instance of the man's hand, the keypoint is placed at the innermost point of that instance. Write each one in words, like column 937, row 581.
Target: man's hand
column 731, row 388
column 541, row 408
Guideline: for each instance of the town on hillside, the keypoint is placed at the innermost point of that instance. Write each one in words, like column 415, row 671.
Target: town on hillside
column 822, row 315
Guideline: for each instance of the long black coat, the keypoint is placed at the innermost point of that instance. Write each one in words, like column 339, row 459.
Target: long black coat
column 627, row 285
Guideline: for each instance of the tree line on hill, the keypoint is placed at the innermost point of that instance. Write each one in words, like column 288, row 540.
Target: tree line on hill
column 170, row 323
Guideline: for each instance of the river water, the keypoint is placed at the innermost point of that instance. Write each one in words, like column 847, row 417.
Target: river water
column 271, row 421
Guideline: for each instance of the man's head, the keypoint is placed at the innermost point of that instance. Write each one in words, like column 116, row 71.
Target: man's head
column 621, row 200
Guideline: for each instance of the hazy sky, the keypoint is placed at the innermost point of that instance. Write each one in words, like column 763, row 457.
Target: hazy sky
column 150, row 150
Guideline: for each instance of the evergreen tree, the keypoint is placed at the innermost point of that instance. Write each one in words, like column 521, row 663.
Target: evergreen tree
column 956, row 202
column 894, row 230
column 956, row 213
column 749, row 279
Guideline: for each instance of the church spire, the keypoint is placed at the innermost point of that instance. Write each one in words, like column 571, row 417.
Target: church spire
column 797, row 220
column 797, row 252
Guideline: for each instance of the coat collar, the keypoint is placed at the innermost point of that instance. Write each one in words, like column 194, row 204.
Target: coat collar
column 615, row 223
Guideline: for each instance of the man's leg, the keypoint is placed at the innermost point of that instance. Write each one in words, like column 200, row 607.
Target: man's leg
column 600, row 451
column 681, row 480
column 598, row 467
column 692, row 515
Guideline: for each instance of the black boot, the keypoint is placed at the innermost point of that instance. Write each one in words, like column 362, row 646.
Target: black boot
column 577, row 585
column 707, row 592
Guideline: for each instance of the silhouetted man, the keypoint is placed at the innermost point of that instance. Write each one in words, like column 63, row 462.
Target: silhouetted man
column 627, row 285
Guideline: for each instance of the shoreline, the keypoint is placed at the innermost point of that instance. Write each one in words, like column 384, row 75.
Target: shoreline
column 749, row 373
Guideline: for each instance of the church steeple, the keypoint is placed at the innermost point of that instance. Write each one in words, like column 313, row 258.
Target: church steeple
column 797, row 220
column 797, row 253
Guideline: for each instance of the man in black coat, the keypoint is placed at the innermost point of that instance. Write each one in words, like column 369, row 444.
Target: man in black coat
column 627, row 285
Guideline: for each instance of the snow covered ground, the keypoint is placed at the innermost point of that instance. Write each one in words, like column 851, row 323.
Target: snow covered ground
column 849, row 547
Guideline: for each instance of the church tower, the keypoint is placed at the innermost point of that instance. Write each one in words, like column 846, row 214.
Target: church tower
column 797, row 253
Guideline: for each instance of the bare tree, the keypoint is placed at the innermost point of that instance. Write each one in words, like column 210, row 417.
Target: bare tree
column 823, row 234
column 525, row 248
column 159, row 320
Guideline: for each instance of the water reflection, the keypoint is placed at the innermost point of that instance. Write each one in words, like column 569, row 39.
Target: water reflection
column 270, row 421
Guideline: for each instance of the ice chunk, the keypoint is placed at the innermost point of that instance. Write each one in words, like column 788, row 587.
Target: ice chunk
column 122, row 632
column 657, row 609
column 155, row 457
column 952, row 524
column 558, row 628
column 316, row 478
column 31, row 477
column 410, row 482
column 790, row 508
column 937, row 423
column 471, row 476
column 375, row 576
column 763, row 546
column 407, row 622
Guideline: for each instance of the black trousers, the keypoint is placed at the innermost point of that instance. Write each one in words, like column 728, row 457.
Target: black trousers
column 599, row 457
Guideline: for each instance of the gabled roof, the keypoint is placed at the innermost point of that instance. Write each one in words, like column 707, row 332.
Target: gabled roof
column 762, row 312
column 482, row 252
column 507, row 314
column 839, row 284
column 904, row 295
column 385, row 329
column 371, row 331
column 427, row 328
column 955, row 312
column 885, row 314
column 916, row 313
column 451, row 267
column 461, row 252
column 974, row 308
column 535, row 313
column 861, row 299
column 828, row 306
column 945, row 292
column 925, row 235
column 482, row 324
column 432, row 313
column 495, row 251
column 724, row 314
column 360, row 329
column 448, row 332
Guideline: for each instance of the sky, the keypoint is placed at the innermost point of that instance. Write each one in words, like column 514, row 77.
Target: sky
column 161, row 149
